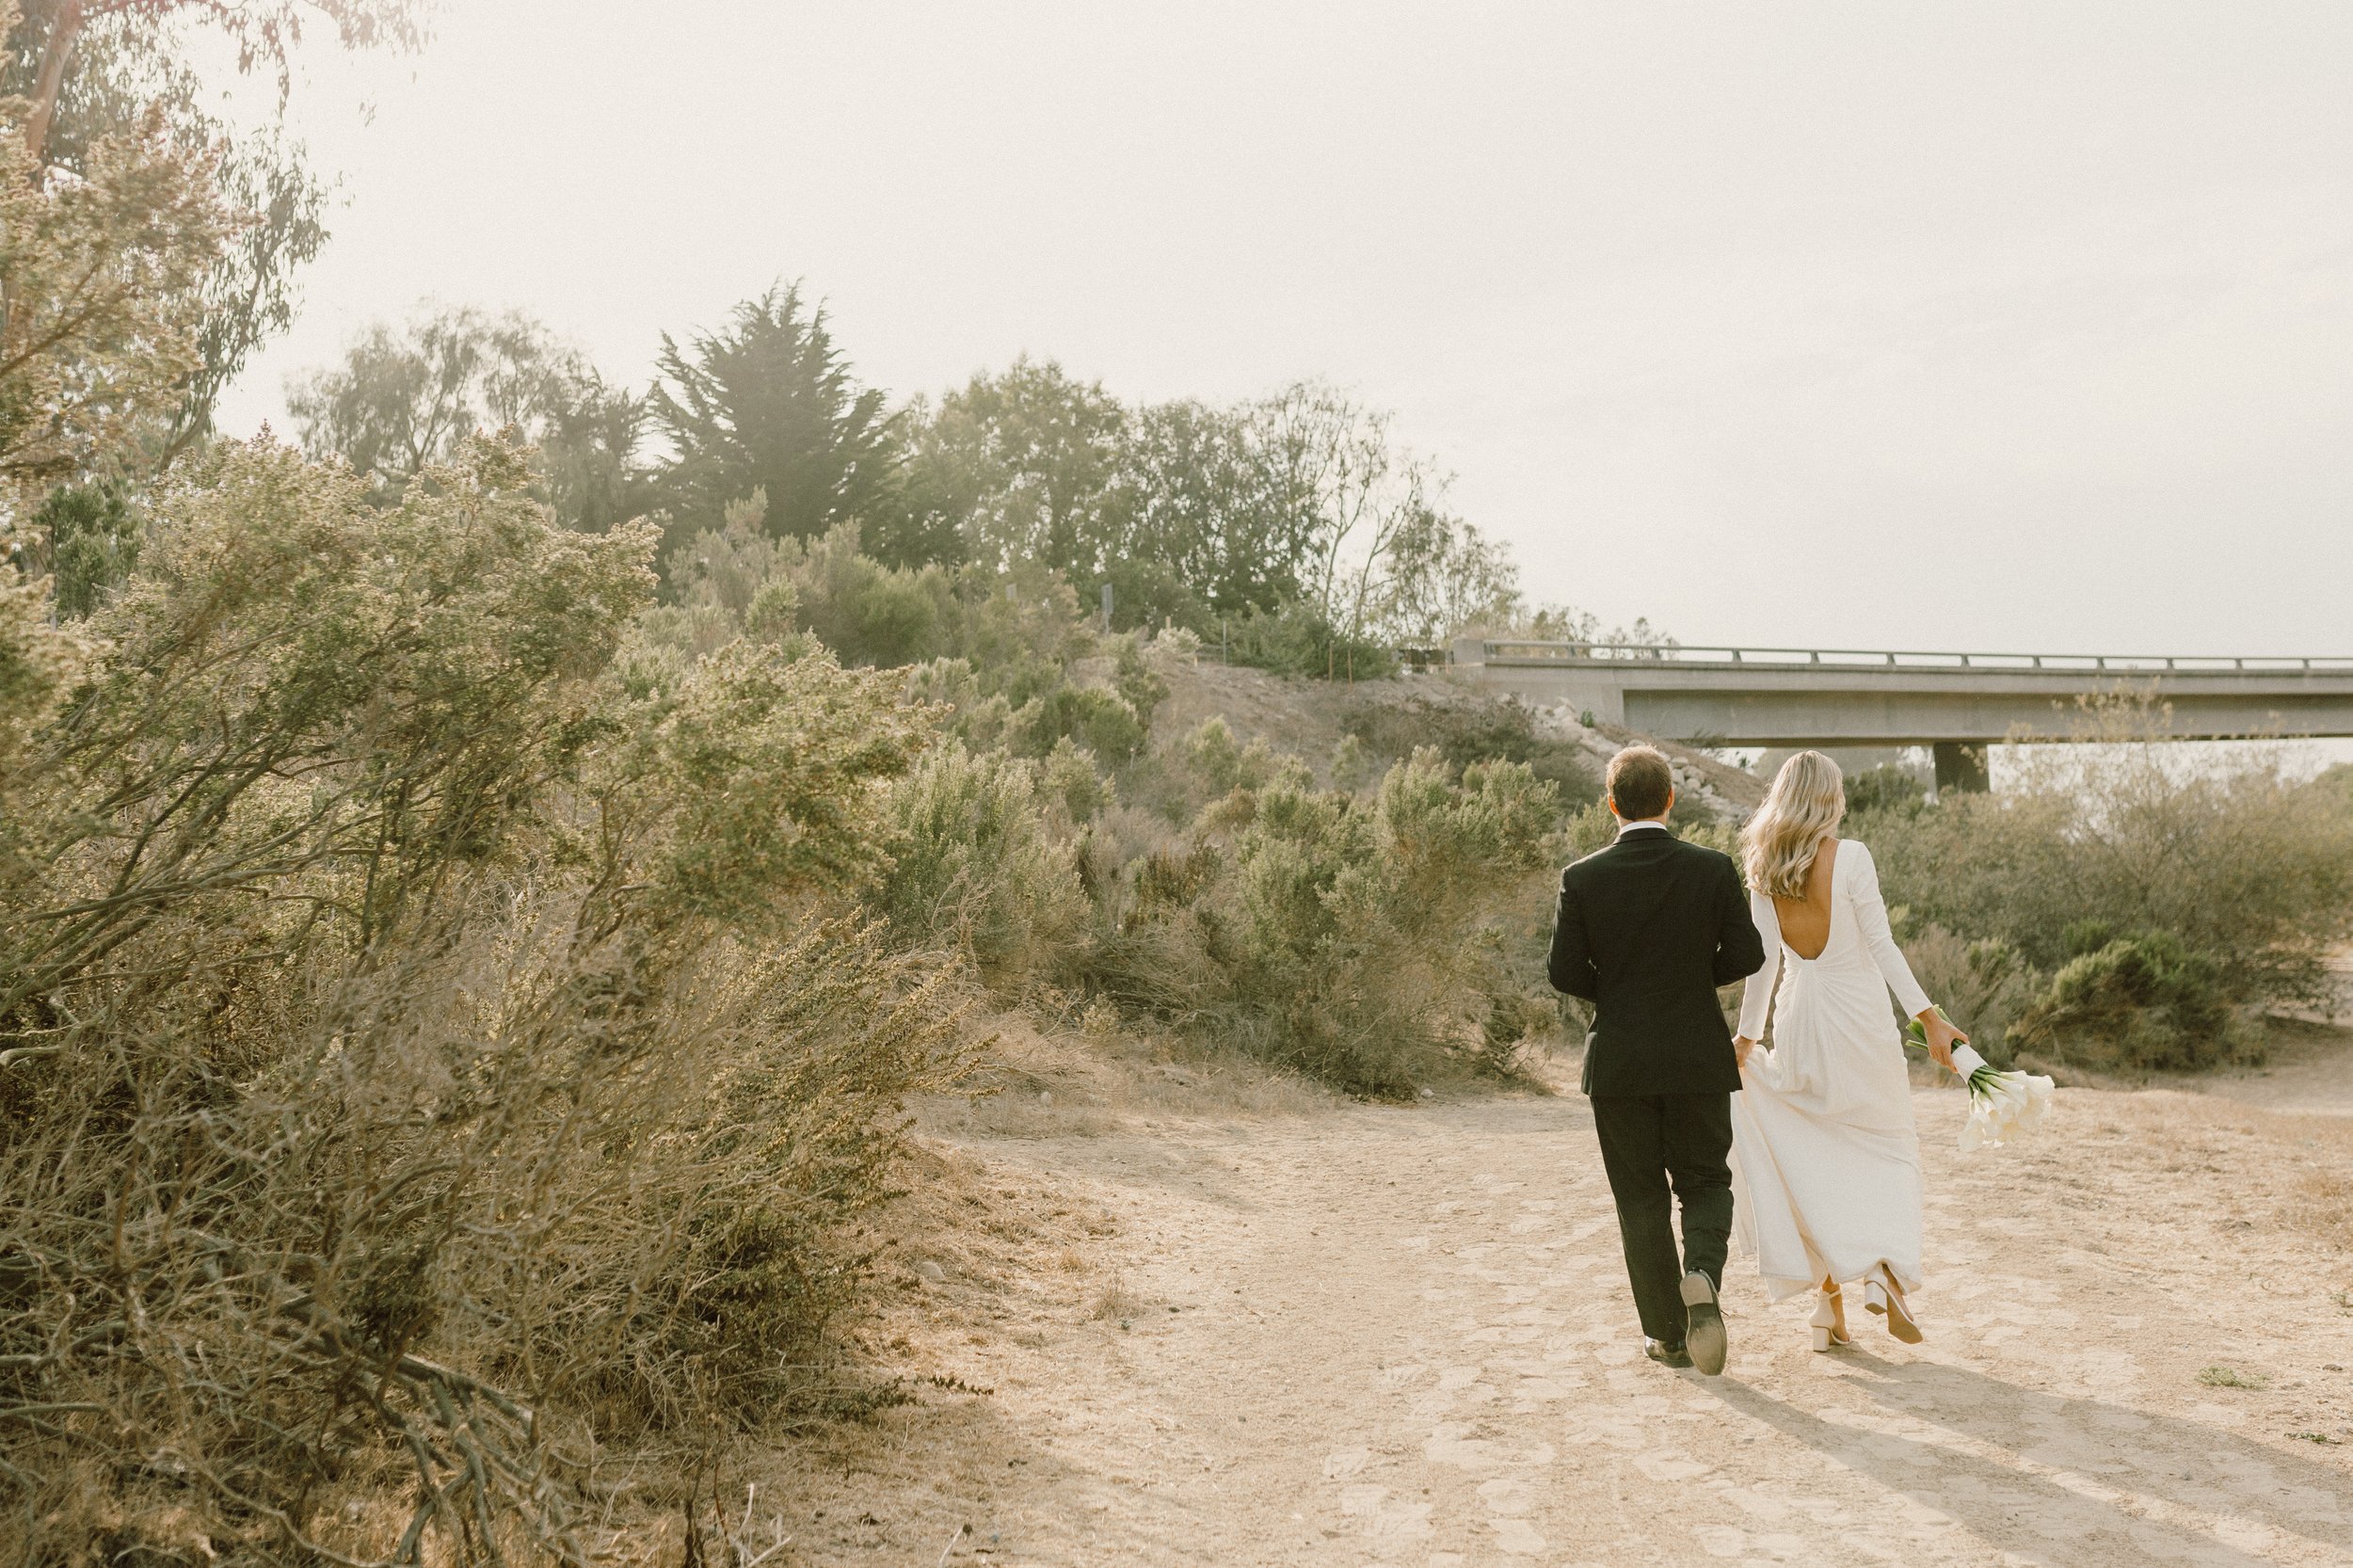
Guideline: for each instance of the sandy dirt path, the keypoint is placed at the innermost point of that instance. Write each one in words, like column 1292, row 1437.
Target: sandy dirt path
column 1401, row 1336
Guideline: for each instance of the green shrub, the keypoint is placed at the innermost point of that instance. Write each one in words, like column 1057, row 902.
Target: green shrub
column 975, row 868
column 2141, row 1001
column 1098, row 719
column 1221, row 765
column 1020, row 635
column 2225, row 854
column 1984, row 986
column 1588, row 831
column 868, row 613
column 2078, row 937
column 1353, row 765
column 1885, row 788
column 1296, row 639
column 1001, row 658
column 1133, row 677
column 1338, row 934
column 1174, row 879
column 93, row 543
column 1022, row 632
column 865, row 612
column 1071, row 780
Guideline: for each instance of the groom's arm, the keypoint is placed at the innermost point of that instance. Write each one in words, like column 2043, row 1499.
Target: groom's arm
column 1739, row 951
column 1572, row 965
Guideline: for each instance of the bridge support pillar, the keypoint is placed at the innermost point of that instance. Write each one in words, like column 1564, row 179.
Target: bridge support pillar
column 1962, row 768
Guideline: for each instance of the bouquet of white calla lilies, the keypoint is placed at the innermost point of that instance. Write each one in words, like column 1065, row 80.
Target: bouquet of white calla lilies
column 2002, row 1105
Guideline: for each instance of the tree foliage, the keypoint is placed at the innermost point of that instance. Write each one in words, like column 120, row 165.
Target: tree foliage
column 1021, row 467
column 1298, row 510
column 1295, row 529
column 101, row 281
column 406, row 398
column 768, row 403
column 93, row 71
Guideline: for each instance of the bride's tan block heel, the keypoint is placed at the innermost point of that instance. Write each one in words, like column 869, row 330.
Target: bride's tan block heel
column 1887, row 1300
column 1830, row 1322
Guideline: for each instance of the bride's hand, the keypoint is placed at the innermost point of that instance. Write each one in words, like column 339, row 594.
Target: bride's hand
column 1741, row 1045
column 1942, row 1038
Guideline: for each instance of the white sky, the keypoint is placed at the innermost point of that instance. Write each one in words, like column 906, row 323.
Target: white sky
column 1977, row 326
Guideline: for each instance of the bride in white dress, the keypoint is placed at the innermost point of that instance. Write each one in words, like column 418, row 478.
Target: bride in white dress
column 1826, row 1163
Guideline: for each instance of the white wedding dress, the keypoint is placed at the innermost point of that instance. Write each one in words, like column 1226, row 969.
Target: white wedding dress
column 1826, row 1163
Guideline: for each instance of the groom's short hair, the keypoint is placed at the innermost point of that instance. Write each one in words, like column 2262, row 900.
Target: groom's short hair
column 1642, row 782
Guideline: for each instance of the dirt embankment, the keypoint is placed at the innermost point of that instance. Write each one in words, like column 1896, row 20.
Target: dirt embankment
column 1308, row 717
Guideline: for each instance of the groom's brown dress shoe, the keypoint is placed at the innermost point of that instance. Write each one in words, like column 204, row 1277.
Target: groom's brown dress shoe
column 1665, row 1354
column 1703, row 1332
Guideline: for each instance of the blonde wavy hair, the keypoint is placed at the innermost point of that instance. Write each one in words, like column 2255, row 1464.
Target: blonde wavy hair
column 1804, row 807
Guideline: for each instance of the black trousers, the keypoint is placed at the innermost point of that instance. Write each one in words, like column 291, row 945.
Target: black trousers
column 1650, row 1143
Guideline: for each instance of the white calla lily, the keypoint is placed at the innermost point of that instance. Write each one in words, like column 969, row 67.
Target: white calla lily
column 2003, row 1106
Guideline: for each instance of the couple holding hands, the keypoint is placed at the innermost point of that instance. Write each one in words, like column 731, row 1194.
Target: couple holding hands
column 1819, row 1129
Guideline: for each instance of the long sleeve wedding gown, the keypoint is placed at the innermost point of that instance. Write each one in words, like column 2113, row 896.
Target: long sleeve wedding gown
column 1825, row 1159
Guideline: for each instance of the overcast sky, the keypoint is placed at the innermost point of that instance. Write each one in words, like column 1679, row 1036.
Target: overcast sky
column 1968, row 326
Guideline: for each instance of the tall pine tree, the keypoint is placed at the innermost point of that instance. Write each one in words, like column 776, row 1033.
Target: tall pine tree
column 768, row 404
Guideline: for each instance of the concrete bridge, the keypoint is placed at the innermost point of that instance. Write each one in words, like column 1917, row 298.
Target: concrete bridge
column 1956, row 703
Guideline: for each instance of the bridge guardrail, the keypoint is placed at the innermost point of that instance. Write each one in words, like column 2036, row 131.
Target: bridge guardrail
column 1528, row 651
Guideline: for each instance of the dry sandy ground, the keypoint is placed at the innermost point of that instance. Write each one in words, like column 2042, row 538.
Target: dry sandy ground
column 1329, row 1333
column 2306, row 1070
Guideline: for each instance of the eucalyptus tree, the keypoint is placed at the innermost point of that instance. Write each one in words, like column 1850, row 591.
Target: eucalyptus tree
column 1302, row 502
column 91, row 74
column 100, row 292
column 405, row 398
column 1024, row 465
column 1443, row 573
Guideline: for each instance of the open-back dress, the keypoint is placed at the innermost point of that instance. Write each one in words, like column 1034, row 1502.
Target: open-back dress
column 1826, row 1162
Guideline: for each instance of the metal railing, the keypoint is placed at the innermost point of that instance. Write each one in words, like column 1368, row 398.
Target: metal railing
column 1521, row 651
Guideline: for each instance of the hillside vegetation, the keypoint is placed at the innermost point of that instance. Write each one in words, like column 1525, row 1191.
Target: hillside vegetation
column 2129, row 902
column 455, row 1000
column 477, row 891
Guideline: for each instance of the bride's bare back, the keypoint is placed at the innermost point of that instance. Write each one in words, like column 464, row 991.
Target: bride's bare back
column 1805, row 922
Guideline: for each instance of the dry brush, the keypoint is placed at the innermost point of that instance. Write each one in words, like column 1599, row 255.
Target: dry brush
column 433, row 1041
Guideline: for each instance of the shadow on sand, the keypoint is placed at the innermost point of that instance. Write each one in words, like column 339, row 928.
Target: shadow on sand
column 2043, row 1517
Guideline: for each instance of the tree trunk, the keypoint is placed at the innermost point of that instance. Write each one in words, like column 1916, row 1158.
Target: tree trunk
column 63, row 31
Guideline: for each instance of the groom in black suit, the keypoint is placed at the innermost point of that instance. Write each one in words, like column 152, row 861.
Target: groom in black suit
column 1647, row 930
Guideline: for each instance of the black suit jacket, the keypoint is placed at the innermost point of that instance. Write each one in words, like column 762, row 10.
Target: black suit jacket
column 1647, row 930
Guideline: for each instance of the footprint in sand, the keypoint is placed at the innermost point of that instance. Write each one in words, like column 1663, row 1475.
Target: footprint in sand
column 1506, row 1496
column 1398, row 1523
column 1517, row 1537
column 1665, row 1464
